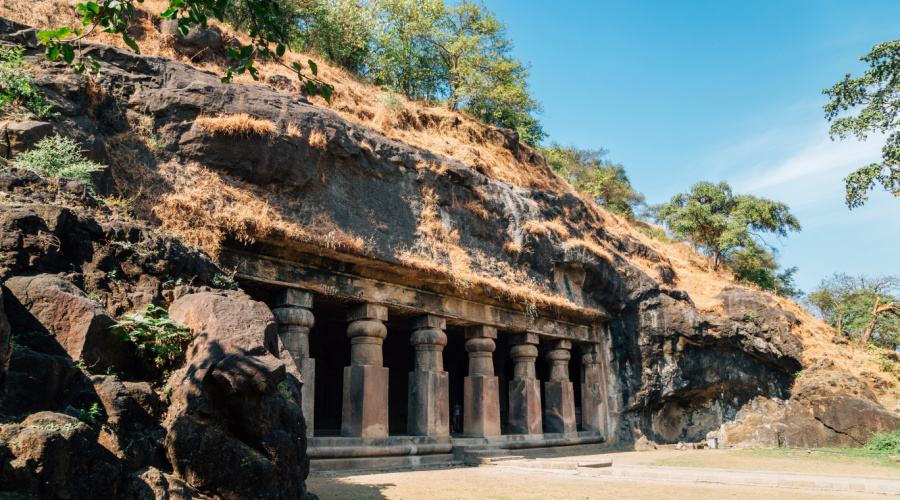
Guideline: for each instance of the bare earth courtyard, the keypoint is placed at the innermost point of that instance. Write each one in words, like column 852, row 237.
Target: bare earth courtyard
column 800, row 473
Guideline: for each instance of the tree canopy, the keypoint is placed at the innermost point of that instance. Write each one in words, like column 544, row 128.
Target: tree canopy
column 457, row 53
column 718, row 222
column 591, row 173
column 861, row 306
column 878, row 92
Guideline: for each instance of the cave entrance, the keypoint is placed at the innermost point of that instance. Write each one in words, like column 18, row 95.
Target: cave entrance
column 456, row 364
column 399, row 359
column 330, row 347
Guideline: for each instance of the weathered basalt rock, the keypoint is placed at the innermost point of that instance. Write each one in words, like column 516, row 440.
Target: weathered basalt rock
column 234, row 401
column 51, row 455
column 81, row 326
column 827, row 408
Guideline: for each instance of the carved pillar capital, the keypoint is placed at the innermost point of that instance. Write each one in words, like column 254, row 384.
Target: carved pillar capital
column 367, row 334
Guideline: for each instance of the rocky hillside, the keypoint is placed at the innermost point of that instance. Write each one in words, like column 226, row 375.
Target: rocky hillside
column 258, row 168
column 84, row 414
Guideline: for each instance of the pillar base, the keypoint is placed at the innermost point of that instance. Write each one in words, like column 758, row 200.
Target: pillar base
column 365, row 409
column 481, row 406
column 429, row 403
column 593, row 418
column 525, row 407
column 559, row 404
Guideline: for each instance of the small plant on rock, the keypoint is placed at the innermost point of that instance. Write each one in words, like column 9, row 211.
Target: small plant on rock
column 17, row 86
column 751, row 316
column 224, row 281
column 91, row 415
column 57, row 156
column 156, row 336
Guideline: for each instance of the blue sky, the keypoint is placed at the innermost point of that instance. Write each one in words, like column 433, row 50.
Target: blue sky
column 680, row 92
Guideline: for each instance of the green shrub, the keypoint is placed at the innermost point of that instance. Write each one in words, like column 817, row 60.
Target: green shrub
column 91, row 415
column 17, row 86
column 57, row 156
column 225, row 281
column 156, row 336
column 888, row 441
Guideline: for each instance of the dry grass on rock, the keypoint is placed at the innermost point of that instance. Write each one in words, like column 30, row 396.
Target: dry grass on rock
column 239, row 124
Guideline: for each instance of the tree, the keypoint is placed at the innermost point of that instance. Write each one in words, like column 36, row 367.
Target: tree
column 460, row 54
column 753, row 263
column 264, row 21
column 342, row 31
column 878, row 90
column 718, row 222
column 591, row 173
column 402, row 60
column 861, row 306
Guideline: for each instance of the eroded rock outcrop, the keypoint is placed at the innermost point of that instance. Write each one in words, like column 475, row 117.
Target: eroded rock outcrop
column 826, row 407
column 234, row 401
column 228, row 427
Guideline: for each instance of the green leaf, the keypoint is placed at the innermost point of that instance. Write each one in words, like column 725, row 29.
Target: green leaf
column 68, row 53
column 131, row 43
column 233, row 53
column 246, row 51
column 280, row 50
column 52, row 52
column 326, row 90
column 313, row 67
column 47, row 35
column 311, row 88
column 298, row 67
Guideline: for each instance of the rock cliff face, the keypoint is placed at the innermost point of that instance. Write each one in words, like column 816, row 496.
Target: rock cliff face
column 336, row 190
column 227, row 426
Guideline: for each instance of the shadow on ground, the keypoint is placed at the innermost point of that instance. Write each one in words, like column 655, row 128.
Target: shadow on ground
column 337, row 488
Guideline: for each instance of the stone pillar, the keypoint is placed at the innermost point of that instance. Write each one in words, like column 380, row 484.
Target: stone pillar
column 429, row 384
column 292, row 310
column 481, row 389
column 593, row 405
column 524, row 388
column 559, row 393
column 365, row 409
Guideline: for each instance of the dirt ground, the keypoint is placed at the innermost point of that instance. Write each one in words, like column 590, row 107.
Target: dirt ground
column 514, row 483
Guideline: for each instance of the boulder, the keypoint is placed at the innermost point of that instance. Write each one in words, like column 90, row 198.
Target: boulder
column 78, row 324
column 228, row 320
column 854, row 417
column 232, row 433
column 51, row 455
column 22, row 136
column 827, row 408
column 154, row 484
column 37, row 381
column 129, row 431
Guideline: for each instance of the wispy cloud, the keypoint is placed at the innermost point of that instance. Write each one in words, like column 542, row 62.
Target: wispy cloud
column 795, row 162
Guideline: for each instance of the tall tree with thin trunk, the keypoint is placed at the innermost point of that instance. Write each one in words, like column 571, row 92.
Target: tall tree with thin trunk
column 718, row 222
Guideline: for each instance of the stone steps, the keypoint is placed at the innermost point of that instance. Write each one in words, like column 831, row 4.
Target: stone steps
column 372, row 463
